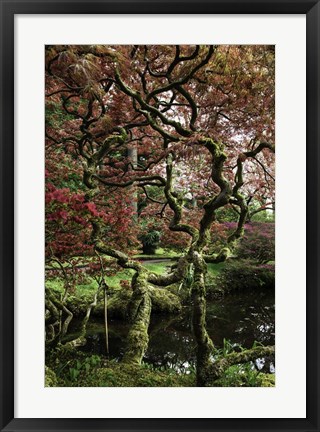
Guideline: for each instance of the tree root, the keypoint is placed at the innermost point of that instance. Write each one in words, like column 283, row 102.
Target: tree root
column 218, row 368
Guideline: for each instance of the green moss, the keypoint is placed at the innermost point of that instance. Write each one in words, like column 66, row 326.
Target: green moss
column 78, row 304
column 245, row 375
column 267, row 380
column 50, row 378
column 223, row 255
column 136, row 343
column 164, row 301
column 118, row 304
column 112, row 374
column 139, row 311
column 68, row 367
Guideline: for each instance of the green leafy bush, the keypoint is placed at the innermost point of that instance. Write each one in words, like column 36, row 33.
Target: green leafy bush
column 245, row 274
column 258, row 242
column 150, row 241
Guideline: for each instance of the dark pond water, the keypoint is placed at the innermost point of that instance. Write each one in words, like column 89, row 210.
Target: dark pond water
column 239, row 318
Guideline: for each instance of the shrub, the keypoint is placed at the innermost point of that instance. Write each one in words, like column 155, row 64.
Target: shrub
column 245, row 274
column 258, row 242
column 150, row 241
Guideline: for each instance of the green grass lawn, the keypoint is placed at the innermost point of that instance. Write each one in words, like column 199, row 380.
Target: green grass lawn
column 215, row 269
column 126, row 274
column 159, row 268
column 91, row 285
column 161, row 253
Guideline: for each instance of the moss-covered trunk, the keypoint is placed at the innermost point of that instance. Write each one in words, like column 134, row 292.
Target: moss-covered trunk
column 139, row 311
column 204, row 343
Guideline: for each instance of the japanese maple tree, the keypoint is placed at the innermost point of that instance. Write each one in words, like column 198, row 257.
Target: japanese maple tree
column 185, row 130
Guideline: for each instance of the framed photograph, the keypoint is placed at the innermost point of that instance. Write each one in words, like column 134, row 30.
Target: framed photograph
column 159, row 214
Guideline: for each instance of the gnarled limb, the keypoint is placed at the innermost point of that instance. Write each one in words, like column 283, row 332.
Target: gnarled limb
column 56, row 307
column 219, row 367
column 176, row 276
column 218, row 159
column 139, row 313
column 176, row 206
column 100, row 246
column 204, row 343
column 240, row 201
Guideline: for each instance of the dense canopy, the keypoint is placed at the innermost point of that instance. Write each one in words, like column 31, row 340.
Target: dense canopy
column 150, row 143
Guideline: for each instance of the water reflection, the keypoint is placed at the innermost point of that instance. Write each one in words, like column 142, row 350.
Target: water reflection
column 240, row 318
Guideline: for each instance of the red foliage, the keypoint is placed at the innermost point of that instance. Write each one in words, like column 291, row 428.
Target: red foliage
column 233, row 96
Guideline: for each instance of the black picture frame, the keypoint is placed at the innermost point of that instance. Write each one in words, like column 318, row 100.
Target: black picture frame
column 8, row 10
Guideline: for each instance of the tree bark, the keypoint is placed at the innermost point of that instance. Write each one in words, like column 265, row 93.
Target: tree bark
column 204, row 343
column 139, row 311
